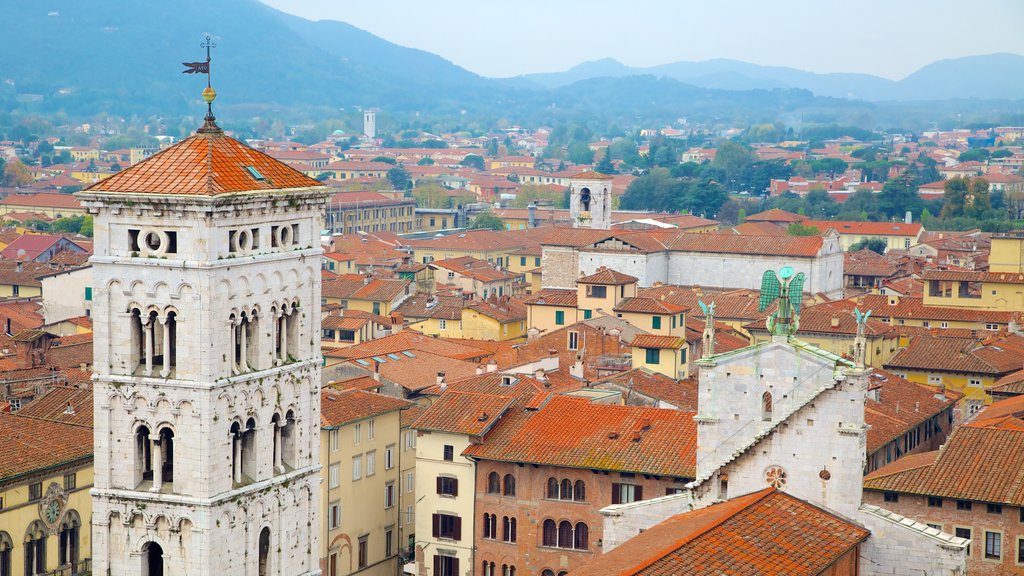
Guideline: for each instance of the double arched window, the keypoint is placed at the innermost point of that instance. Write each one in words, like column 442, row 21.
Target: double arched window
column 154, row 458
column 497, row 485
column 6, row 549
column 565, row 535
column 154, row 339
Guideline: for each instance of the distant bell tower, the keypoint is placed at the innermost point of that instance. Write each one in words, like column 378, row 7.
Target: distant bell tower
column 590, row 200
column 207, row 362
column 370, row 123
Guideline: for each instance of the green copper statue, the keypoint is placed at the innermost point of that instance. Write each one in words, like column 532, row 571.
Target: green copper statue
column 787, row 290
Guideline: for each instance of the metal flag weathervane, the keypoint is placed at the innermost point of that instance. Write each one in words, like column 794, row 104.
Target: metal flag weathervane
column 209, row 95
column 788, row 291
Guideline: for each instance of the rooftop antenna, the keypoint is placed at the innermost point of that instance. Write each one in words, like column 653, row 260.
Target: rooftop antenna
column 209, row 94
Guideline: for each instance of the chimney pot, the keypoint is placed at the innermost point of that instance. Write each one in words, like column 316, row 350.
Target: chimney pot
column 492, row 366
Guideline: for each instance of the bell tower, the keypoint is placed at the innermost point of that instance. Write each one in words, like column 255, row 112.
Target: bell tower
column 590, row 200
column 207, row 364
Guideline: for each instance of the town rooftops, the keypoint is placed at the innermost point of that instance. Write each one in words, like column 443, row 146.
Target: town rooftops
column 62, row 404
column 993, row 357
column 208, row 163
column 591, row 175
column 644, row 305
column 982, row 460
column 32, row 444
column 973, row 276
column 359, row 287
column 901, row 405
column 338, row 408
column 573, row 432
column 43, row 200
column 553, row 297
column 661, row 342
column 867, row 228
column 766, row 533
column 467, row 413
column 775, row 215
column 607, row 276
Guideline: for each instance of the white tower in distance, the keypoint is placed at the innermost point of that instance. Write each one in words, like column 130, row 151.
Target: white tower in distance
column 370, row 123
column 590, row 200
column 207, row 363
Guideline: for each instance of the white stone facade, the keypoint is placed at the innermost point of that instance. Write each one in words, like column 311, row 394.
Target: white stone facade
column 590, row 203
column 206, row 385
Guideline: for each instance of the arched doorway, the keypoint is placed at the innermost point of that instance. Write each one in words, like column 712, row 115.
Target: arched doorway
column 264, row 568
column 152, row 560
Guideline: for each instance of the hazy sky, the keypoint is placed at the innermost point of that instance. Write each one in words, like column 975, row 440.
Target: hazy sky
column 890, row 38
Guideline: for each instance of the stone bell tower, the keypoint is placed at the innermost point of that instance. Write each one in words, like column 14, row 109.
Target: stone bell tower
column 207, row 364
column 590, row 200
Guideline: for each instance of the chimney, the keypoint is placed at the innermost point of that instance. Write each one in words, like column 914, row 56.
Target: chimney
column 552, row 352
column 492, row 366
column 532, row 211
column 835, row 321
column 441, row 381
column 70, row 410
column 479, row 370
column 18, row 266
column 539, row 374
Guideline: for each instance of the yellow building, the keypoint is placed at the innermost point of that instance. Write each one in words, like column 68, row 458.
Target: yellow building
column 452, row 316
column 45, row 506
column 359, row 292
column 344, row 328
column 912, row 311
column 353, row 212
column 550, row 309
column 474, row 276
column 361, row 487
column 654, row 316
column 21, row 279
column 1000, row 288
column 601, row 292
column 51, row 204
column 898, row 235
column 663, row 354
column 488, row 245
column 1007, row 253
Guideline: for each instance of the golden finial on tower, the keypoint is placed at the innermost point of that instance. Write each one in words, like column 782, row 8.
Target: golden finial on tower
column 209, row 94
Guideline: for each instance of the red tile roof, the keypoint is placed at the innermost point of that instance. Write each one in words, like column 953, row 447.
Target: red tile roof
column 776, row 215
column 655, row 341
column 680, row 393
column 63, row 404
column 553, row 297
column 467, row 413
column 645, row 305
column 766, row 533
column 359, row 287
column 981, row 460
column 573, row 432
column 473, row 268
column 411, row 340
column 965, row 355
column 591, row 175
column 607, row 276
column 32, row 444
column 972, row 276
column 901, row 406
column 867, row 228
column 43, row 199
column 338, row 408
column 208, row 163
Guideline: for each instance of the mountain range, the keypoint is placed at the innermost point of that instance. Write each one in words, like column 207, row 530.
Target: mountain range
column 85, row 57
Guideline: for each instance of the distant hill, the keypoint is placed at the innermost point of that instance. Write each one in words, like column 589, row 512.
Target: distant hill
column 990, row 76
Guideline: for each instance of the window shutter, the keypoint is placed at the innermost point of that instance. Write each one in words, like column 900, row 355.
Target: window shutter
column 616, row 496
column 455, row 486
column 639, row 493
column 437, row 564
column 455, row 566
column 458, row 528
column 436, row 519
column 438, row 484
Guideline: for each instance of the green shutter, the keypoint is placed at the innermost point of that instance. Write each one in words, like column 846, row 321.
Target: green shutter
column 653, row 356
column 587, row 314
column 656, row 322
column 559, row 317
column 88, row 293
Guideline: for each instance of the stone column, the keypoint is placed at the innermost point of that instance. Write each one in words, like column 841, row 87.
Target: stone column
column 147, row 330
column 278, row 448
column 284, row 337
column 234, row 365
column 236, row 470
column 278, row 338
column 243, row 344
column 167, row 347
column 158, row 462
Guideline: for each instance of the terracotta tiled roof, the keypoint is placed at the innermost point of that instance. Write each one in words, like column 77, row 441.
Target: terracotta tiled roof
column 911, row 308
column 867, row 228
column 32, row 444
column 971, row 276
column 739, row 304
column 407, row 340
column 901, row 406
column 415, row 371
column 359, row 287
column 822, row 319
column 1010, row 384
column 867, row 263
column 607, row 276
column 776, row 215
column 655, row 341
column 573, row 432
column 467, row 413
column 503, row 311
column 1013, row 407
column 591, row 175
column 964, row 355
column 645, row 305
column 756, row 229
column 680, row 393
column 512, row 385
column 473, row 268
column 438, row 306
column 553, row 297
column 47, row 200
column 63, row 404
column 981, row 460
column 766, row 533
column 208, row 163
column 340, row 408
column 797, row 246
column 366, row 383
column 22, row 273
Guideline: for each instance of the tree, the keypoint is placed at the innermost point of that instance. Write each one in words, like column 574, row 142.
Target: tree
column 899, row 195
column 605, row 166
column 473, row 161
column 830, row 166
column 876, row 245
column 425, row 161
column 656, row 190
column 703, row 197
column 16, row 174
column 532, row 193
column 431, row 194
column 385, row 160
column 735, row 159
column 487, row 221
column 580, row 153
column 798, row 229
column 973, row 155
column 399, row 178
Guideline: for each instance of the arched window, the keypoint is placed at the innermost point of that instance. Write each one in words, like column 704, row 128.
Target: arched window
column 35, row 548
column 6, row 547
column 508, row 529
column 564, row 534
column 152, row 559
column 236, row 453
column 264, row 552
column 550, row 534
column 493, row 483
column 581, row 537
column 585, row 199
column 553, row 488
column 579, row 491
column 510, row 485
column 168, row 342
column 766, row 407
column 68, row 547
column 248, row 455
column 566, row 492
column 166, row 458
column 143, row 455
column 288, row 434
column 547, row 573
column 489, row 568
column 489, row 526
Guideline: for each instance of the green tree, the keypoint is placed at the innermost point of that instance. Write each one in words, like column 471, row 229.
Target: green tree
column 830, row 166
column 955, row 196
column 431, row 194
column 16, row 174
column 580, row 153
column 899, row 195
column 977, row 202
column 473, row 161
column 425, row 161
column 544, row 194
column 605, row 166
column 876, row 245
column 703, row 197
column 487, row 221
column 656, row 190
column 399, row 178
column 385, row 160
column 798, row 229
column 973, row 155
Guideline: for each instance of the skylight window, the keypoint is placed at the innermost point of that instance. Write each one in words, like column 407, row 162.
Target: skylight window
column 255, row 174
column 362, row 362
column 379, row 359
column 394, row 356
column 409, row 354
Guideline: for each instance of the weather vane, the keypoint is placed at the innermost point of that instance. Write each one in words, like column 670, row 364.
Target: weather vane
column 788, row 293
column 209, row 94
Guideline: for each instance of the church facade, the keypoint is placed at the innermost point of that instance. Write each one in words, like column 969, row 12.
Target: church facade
column 207, row 364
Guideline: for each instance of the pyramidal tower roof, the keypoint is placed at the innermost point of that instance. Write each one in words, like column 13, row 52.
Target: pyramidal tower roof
column 209, row 163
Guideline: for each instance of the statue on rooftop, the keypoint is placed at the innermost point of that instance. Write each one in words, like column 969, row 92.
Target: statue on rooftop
column 860, row 343
column 787, row 291
column 709, row 328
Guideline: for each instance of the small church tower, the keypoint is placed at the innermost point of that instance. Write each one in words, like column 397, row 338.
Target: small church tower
column 590, row 200
column 370, row 123
column 207, row 363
